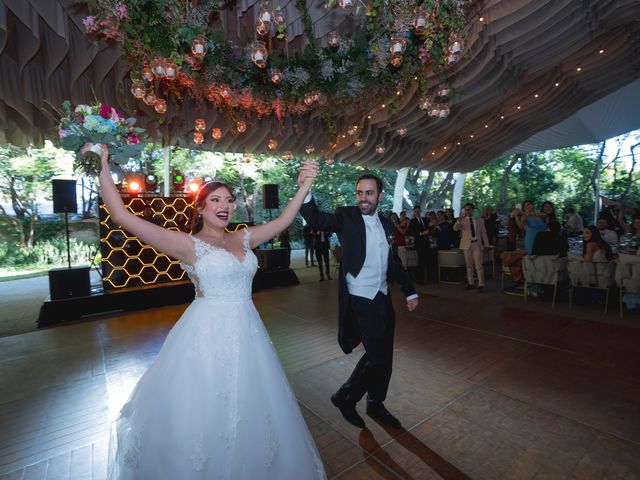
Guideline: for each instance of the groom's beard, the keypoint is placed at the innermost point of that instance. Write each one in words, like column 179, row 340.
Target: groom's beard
column 368, row 208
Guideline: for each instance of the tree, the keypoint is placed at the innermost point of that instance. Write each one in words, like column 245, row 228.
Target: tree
column 25, row 180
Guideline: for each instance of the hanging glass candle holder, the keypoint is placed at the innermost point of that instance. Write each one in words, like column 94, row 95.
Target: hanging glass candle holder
column 329, row 161
column 247, row 157
column 147, row 73
column 309, row 98
column 262, row 28
column 259, row 53
column 353, row 129
column 425, row 103
column 276, row 75
column 171, row 71
column 137, row 88
column 398, row 44
column 420, row 20
column 444, row 110
column 160, row 106
column 310, row 149
column 401, row 131
column 380, row 148
column 456, row 45
column 216, row 134
column 149, row 98
column 198, row 138
column 443, row 91
column 287, row 155
column 200, row 125
column 345, row 4
column 241, row 126
column 452, row 58
column 279, row 17
column 265, row 11
column 396, row 61
column 333, row 39
column 199, row 47
column 158, row 67
column 358, row 143
column 273, row 144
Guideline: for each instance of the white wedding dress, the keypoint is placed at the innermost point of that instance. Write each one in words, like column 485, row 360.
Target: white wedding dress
column 215, row 404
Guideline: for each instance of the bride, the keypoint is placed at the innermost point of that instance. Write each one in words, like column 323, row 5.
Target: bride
column 215, row 404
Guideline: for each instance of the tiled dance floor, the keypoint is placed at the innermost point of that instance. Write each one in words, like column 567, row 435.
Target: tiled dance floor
column 486, row 388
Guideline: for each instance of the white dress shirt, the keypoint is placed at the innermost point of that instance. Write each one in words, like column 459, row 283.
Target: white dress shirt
column 372, row 278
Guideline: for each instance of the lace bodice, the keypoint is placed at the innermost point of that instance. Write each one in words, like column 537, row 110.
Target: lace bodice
column 219, row 274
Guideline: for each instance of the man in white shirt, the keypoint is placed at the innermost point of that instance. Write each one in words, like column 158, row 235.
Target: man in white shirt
column 574, row 224
column 607, row 235
column 365, row 310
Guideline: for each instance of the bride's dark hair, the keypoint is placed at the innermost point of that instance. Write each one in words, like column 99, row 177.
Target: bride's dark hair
column 198, row 203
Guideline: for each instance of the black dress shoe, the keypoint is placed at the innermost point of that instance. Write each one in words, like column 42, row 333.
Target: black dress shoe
column 379, row 412
column 469, row 287
column 348, row 411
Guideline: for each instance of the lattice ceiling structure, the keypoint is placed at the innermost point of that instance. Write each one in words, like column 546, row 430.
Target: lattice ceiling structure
column 528, row 65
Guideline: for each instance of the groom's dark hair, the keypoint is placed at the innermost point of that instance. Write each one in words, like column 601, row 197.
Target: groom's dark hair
column 370, row 176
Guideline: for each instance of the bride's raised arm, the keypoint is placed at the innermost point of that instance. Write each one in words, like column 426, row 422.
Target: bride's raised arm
column 175, row 244
column 263, row 233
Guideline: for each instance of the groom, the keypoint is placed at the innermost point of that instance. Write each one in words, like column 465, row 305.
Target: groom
column 365, row 310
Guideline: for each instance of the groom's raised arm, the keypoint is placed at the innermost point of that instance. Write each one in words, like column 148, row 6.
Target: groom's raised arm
column 313, row 216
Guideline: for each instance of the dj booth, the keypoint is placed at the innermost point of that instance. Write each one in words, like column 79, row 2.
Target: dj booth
column 135, row 275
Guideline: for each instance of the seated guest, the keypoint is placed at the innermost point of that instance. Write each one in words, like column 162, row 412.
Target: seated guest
column 551, row 241
column 574, row 223
column 607, row 235
column 594, row 248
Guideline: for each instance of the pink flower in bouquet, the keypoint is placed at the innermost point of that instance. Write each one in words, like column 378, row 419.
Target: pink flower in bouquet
column 423, row 54
column 90, row 23
column 105, row 111
column 133, row 138
column 62, row 133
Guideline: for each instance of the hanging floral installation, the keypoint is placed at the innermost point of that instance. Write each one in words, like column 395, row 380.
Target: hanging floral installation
column 177, row 49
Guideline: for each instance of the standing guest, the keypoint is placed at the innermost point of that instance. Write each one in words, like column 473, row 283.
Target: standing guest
column 309, row 238
column 400, row 242
column 473, row 243
column 366, row 311
column 419, row 230
column 451, row 219
column 607, row 235
column 443, row 232
column 573, row 223
column 491, row 225
column 594, row 248
column 321, row 245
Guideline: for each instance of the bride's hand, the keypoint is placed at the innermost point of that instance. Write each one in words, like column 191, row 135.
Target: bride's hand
column 308, row 173
column 104, row 158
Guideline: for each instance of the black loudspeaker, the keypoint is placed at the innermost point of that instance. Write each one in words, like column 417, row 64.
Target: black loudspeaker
column 69, row 283
column 270, row 195
column 64, row 196
column 273, row 258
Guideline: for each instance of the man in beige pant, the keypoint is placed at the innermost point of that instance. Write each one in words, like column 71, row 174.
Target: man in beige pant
column 473, row 243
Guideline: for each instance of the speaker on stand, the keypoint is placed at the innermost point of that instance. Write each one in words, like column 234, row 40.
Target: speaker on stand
column 64, row 201
column 270, row 199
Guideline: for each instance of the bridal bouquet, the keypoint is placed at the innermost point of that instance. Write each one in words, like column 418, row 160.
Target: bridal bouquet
column 98, row 124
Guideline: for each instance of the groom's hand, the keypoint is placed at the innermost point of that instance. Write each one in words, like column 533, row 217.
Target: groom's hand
column 412, row 304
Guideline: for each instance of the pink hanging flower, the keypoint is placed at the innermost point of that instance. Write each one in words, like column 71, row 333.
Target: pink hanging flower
column 122, row 11
column 133, row 138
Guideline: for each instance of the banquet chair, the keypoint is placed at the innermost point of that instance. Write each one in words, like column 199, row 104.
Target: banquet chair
column 450, row 259
column 627, row 276
column 545, row 270
column 590, row 275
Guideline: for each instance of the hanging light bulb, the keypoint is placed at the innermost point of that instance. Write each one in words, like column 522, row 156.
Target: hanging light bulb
column 247, row 157
column 398, row 44
column 216, row 134
column 147, row 73
column 273, row 144
column 160, row 106
column 425, row 103
column 309, row 149
column 137, row 88
column 353, row 129
column 401, row 131
column 259, row 53
column 333, row 39
column 199, row 47
column 345, row 4
column 200, row 125
column 198, row 138
column 287, row 155
column 444, row 110
column 443, row 91
column 358, row 143
column 380, row 149
column 241, row 126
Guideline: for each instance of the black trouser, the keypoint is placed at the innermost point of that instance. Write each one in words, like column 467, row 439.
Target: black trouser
column 421, row 269
column 372, row 374
column 322, row 255
column 308, row 254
